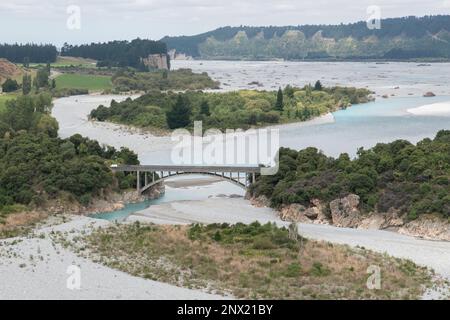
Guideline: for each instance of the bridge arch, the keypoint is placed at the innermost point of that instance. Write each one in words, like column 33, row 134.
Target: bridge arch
column 154, row 174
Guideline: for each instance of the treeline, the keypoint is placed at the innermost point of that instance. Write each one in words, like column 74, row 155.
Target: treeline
column 411, row 29
column 26, row 53
column 117, row 53
column 413, row 179
column 36, row 166
column 240, row 109
column 181, row 79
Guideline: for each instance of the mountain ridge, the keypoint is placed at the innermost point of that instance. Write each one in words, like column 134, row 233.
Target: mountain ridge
column 398, row 38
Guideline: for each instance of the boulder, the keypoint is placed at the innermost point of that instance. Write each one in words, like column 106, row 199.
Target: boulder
column 295, row 213
column 429, row 94
column 345, row 212
column 299, row 213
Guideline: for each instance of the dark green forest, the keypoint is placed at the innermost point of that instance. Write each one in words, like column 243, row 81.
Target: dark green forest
column 416, row 33
column 116, row 53
column 239, row 109
column 26, row 53
column 414, row 179
column 180, row 79
column 36, row 166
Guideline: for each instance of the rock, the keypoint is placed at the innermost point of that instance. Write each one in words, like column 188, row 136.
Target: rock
column 385, row 96
column 429, row 94
column 322, row 218
column 312, row 213
column 294, row 212
column 299, row 213
column 381, row 221
column 255, row 83
column 429, row 227
column 157, row 61
column 345, row 212
column 259, row 202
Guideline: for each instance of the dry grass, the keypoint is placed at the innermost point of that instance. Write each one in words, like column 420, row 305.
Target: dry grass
column 258, row 263
column 19, row 223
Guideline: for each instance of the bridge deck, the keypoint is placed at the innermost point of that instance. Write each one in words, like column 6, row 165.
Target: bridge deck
column 190, row 169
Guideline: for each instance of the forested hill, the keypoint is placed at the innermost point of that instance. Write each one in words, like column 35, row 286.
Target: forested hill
column 398, row 38
column 116, row 53
column 19, row 53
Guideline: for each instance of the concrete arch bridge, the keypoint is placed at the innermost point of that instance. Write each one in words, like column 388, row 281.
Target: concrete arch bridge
column 150, row 175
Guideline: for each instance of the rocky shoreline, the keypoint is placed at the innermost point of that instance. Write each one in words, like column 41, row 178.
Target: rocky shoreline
column 117, row 201
column 110, row 202
column 346, row 213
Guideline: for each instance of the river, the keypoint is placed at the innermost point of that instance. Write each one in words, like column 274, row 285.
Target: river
column 383, row 120
column 364, row 125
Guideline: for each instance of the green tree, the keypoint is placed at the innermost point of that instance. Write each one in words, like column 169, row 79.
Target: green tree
column 204, row 108
column 26, row 84
column 26, row 62
column 180, row 115
column 289, row 91
column 48, row 125
column 318, row 86
column 10, row 85
column 42, row 78
column 279, row 104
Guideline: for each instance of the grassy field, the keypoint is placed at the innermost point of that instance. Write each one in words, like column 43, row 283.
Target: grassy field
column 5, row 97
column 78, row 81
column 67, row 62
column 252, row 262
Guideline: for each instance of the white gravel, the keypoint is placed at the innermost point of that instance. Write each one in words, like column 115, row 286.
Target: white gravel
column 36, row 268
column 435, row 109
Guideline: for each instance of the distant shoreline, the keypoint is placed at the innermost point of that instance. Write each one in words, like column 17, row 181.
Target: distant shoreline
column 368, row 60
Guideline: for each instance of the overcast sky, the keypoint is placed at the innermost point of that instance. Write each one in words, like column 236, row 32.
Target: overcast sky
column 103, row 20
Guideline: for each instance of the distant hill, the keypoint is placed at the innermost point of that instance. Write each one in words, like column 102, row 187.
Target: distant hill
column 398, row 38
column 9, row 70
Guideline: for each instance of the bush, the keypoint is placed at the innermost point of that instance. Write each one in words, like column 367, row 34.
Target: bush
column 263, row 243
column 319, row 270
column 412, row 179
column 10, row 85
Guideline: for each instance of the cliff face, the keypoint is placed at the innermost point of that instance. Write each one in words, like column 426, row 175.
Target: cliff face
column 346, row 213
column 157, row 61
column 174, row 55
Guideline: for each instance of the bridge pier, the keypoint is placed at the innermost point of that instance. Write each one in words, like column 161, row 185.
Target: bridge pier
column 225, row 172
column 138, row 182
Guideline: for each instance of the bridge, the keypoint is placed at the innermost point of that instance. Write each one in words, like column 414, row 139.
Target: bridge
column 150, row 175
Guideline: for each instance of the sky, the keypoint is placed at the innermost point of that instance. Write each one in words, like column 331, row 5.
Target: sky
column 85, row 21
